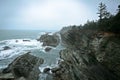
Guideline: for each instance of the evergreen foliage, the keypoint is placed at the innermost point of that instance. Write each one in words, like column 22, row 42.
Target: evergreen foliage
column 106, row 21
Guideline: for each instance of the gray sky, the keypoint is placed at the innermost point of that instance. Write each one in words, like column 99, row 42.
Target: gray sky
column 49, row 14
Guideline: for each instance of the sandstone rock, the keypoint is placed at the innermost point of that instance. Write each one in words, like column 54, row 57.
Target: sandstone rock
column 26, row 66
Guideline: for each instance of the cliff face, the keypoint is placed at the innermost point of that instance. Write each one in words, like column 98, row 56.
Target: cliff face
column 89, row 55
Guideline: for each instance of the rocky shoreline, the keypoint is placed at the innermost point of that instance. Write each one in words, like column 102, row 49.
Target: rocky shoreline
column 88, row 55
column 24, row 67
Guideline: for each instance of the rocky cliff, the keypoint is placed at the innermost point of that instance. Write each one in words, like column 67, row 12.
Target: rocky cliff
column 89, row 55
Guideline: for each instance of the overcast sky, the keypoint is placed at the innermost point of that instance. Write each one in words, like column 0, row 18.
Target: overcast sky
column 49, row 14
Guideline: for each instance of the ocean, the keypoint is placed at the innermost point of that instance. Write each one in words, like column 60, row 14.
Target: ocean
column 16, row 46
column 19, row 34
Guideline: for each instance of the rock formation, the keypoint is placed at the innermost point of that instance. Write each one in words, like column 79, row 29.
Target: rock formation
column 24, row 67
column 49, row 40
column 89, row 55
column 47, row 49
column 6, row 48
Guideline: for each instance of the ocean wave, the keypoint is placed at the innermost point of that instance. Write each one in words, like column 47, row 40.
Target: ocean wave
column 16, row 46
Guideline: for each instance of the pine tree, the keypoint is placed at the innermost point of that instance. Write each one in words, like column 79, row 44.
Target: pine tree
column 119, row 7
column 102, row 11
column 103, row 15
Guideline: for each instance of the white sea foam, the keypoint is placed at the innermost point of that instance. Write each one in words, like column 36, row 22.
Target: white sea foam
column 5, row 54
column 17, row 46
column 51, row 33
column 43, row 66
column 3, row 66
column 24, row 42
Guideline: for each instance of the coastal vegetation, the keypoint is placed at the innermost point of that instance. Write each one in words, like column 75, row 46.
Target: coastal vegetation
column 106, row 22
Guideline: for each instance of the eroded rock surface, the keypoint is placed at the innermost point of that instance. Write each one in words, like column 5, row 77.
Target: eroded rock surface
column 49, row 40
column 89, row 55
column 25, row 66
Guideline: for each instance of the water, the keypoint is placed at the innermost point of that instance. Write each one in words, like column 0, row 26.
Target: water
column 14, row 39
column 18, row 34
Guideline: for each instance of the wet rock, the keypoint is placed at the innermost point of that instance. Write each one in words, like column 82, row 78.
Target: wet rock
column 47, row 49
column 54, row 70
column 26, row 66
column 49, row 40
column 6, row 48
column 25, row 40
column 46, row 70
column 16, row 41
column 6, row 70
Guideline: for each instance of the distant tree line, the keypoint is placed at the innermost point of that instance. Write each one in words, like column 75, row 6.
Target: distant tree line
column 106, row 22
